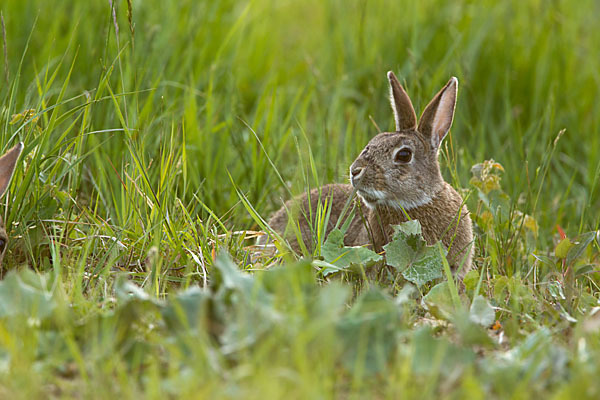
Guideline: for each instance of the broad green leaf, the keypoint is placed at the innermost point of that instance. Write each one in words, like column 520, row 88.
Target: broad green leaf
column 471, row 279
column 406, row 294
column 481, row 311
column 536, row 356
column 403, row 251
column 408, row 253
column 544, row 259
column 439, row 301
column 471, row 332
column 331, row 301
column 127, row 290
column 426, row 268
column 186, row 309
column 26, row 294
column 369, row 332
column 562, row 248
column 227, row 276
column 433, row 355
column 280, row 278
column 334, row 252
column 412, row 227
column 327, row 268
column 582, row 243
column 584, row 269
column 239, row 302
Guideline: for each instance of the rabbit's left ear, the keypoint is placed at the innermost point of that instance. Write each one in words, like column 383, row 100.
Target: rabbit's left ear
column 404, row 113
column 437, row 117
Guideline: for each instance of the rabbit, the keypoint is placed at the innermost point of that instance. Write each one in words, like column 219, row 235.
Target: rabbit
column 7, row 166
column 397, row 177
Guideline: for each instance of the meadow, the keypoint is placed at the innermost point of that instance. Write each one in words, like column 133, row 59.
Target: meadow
column 158, row 134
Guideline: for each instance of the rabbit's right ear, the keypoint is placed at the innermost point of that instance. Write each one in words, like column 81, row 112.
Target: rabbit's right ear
column 7, row 166
column 404, row 113
column 437, row 117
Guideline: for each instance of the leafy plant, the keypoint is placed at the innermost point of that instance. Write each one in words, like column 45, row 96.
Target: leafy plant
column 410, row 255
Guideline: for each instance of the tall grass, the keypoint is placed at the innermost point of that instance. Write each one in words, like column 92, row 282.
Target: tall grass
column 202, row 71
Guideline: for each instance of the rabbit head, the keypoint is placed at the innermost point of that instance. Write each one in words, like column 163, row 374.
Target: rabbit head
column 7, row 166
column 400, row 169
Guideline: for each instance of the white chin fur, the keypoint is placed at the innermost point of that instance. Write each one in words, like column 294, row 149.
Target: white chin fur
column 371, row 197
column 367, row 202
column 378, row 198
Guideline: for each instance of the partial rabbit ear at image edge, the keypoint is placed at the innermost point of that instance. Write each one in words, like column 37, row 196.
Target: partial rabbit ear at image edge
column 7, row 166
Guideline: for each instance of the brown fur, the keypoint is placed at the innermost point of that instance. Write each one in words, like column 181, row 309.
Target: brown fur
column 439, row 221
column 7, row 167
column 389, row 187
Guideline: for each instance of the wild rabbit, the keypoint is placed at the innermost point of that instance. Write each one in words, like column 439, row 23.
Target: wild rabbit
column 7, row 167
column 396, row 176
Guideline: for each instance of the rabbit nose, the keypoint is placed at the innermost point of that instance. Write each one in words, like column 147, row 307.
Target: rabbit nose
column 357, row 172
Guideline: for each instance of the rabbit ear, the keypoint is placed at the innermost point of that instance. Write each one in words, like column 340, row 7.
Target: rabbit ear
column 437, row 117
column 404, row 113
column 7, row 166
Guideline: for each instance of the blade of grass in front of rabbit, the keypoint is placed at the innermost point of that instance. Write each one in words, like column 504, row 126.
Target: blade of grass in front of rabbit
column 365, row 222
column 348, row 220
column 324, row 213
column 315, row 229
column 254, row 214
column 456, row 220
column 309, row 217
column 200, row 243
column 483, row 271
column 451, row 283
column 263, row 224
column 349, row 200
column 295, row 223
column 321, row 220
column 382, row 229
column 401, row 207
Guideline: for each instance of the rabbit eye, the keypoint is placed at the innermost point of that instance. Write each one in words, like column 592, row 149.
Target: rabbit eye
column 2, row 245
column 403, row 156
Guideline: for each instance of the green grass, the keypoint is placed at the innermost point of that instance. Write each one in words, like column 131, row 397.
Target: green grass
column 149, row 149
